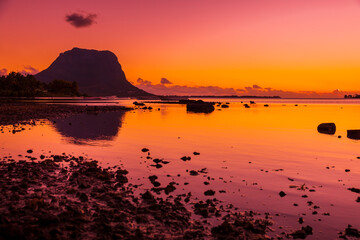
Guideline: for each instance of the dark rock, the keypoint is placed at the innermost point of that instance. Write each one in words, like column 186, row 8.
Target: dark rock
column 170, row 188
column 327, row 128
column 148, row 196
column 138, row 103
column 352, row 232
column 303, row 233
column 194, row 173
column 145, row 150
column 196, row 153
column 158, row 166
column 355, row 190
column 282, row 194
column 347, row 170
column 358, row 199
column 209, row 193
column 29, row 151
column 199, row 106
column 153, row 178
column 156, row 183
column 224, row 106
column 156, row 160
column 353, row 134
column 185, row 158
column 301, row 220
column 246, row 105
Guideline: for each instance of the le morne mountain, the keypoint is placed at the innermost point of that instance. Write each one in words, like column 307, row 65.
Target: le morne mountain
column 97, row 73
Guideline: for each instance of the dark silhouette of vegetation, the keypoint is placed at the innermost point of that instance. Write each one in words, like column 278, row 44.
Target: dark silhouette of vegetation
column 352, row 96
column 18, row 85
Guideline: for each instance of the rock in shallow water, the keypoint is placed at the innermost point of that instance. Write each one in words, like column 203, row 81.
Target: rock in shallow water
column 353, row 134
column 327, row 128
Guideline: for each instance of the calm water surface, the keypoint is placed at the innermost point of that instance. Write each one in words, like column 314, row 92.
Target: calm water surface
column 249, row 153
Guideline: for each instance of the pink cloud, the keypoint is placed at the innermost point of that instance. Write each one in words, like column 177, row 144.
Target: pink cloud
column 29, row 70
column 255, row 90
column 3, row 72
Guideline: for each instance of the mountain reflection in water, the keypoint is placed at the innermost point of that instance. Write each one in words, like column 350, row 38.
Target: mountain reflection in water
column 87, row 128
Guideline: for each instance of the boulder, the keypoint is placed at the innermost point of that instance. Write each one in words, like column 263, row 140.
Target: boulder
column 327, row 128
column 199, row 106
column 353, row 134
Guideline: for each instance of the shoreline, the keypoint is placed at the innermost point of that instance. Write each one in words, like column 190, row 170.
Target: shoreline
column 44, row 199
column 25, row 113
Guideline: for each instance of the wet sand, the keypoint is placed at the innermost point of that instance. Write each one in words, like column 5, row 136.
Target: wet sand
column 62, row 196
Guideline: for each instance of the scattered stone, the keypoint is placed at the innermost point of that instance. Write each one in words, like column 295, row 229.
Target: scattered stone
column 350, row 232
column 282, row 194
column 355, row 190
column 29, row 151
column 209, row 193
column 303, row 233
column 196, row 153
column 194, row 173
column 145, row 150
column 185, row 158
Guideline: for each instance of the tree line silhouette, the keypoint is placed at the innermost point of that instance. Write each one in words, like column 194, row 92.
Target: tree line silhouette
column 18, row 85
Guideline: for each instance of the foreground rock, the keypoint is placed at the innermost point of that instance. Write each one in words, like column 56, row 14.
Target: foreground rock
column 64, row 197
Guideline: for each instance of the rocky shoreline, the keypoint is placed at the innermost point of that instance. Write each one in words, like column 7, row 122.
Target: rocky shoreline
column 25, row 113
column 62, row 197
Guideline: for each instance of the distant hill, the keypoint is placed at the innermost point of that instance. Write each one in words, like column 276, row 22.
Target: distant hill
column 98, row 73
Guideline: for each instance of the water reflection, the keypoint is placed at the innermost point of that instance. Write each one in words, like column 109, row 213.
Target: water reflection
column 87, row 128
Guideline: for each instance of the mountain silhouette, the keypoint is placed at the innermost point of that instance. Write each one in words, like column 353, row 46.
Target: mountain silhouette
column 98, row 73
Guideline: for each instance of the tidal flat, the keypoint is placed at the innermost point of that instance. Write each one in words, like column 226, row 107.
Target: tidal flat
column 237, row 172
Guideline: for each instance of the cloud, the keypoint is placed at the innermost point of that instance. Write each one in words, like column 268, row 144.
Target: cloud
column 3, row 72
column 165, row 81
column 29, row 70
column 255, row 90
column 141, row 81
column 79, row 20
column 164, row 89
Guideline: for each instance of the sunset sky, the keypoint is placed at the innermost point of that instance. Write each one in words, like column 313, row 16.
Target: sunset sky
column 287, row 45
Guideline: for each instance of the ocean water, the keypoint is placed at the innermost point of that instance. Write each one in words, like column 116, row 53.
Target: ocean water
column 250, row 154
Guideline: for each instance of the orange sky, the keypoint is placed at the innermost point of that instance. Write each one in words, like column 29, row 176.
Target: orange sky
column 289, row 45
